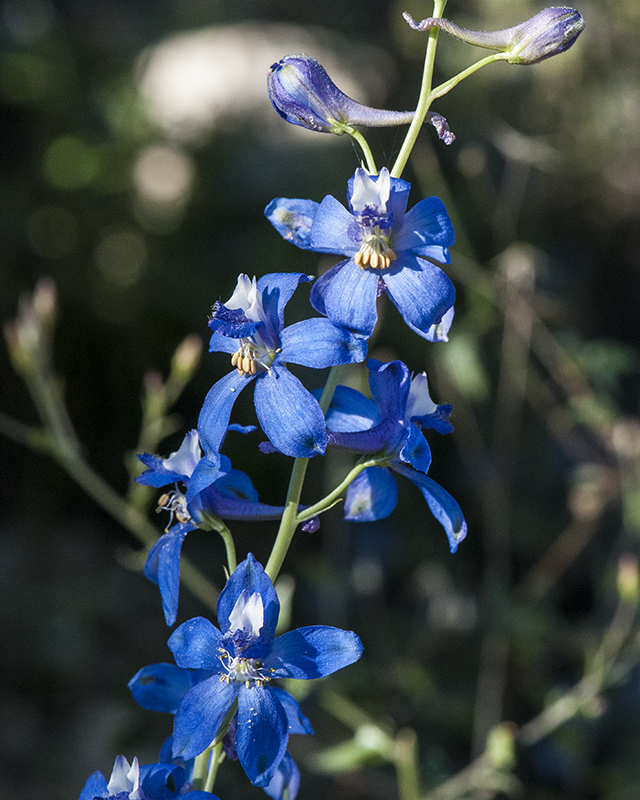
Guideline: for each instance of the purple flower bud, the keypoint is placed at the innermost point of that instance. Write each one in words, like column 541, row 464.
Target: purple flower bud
column 303, row 94
column 550, row 32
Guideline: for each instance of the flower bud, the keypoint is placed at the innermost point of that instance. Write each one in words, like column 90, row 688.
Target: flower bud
column 303, row 94
column 550, row 32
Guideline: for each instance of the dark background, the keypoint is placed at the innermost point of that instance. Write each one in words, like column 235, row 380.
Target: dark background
column 543, row 186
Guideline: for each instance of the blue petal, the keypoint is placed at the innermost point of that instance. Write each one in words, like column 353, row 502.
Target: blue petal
column 232, row 323
column 398, row 197
column 289, row 414
column 390, row 384
column 261, row 738
column 223, row 344
column 161, row 781
column 425, row 231
column 318, row 343
column 351, row 411
column 372, row 495
column 250, row 576
column 415, row 450
column 286, row 778
column 156, row 475
column 334, row 229
column 439, row 331
column 212, row 428
column 233, row 496
column 96, row 786
column 277, row 289
column 443, row 507
column 347, row 295
column 161, row 687
column 195, row 645
column 296, row 720
column 200, row 715
column 313, row 652
column 162, row 567
column 420, row 291
column 292, row 219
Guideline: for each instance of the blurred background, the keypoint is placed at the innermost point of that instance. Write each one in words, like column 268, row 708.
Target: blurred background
column 138, row 149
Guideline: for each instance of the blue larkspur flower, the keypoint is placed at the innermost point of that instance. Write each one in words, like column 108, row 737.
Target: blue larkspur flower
column 390, row 425
column 231, row 495
column 133, row 782
column 161, row 687
column 387, row 250
column 244, row 656
column 250, row 327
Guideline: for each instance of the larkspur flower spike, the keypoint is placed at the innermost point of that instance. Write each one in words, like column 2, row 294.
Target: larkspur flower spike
column 548, row 33
column 302, row 92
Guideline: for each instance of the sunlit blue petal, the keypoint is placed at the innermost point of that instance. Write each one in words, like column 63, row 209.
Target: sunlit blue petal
column 286, row 778
column 296, row 720
column 162, row 567
column 250, row 576
column 318, row 343
column 195, row 644
column 415, row 450
column 292, row 219
column 262, row 736
column 348, row 298
column 313, row 652
column 289, row 415
column 277, row 289
column 425, row 230
column 200, row 715
column 420, row 291
column 334, row 229
column 161, row 687
column 443, row 507
column 350, row 410
column 212, row 428
column 371, row 496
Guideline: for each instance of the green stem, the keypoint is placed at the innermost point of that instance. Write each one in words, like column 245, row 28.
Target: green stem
column 366, row 150
column 217, row 757
column 406, row 764
column 289, row 521
column 447, row 86
column 425, row 99
column 330, row 500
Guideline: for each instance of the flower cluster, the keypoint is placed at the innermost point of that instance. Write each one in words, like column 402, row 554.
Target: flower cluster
column 221, row 689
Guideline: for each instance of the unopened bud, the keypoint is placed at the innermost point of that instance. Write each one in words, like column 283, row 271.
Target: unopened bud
column 302, row 93
column 28, row 336
column 550, row 32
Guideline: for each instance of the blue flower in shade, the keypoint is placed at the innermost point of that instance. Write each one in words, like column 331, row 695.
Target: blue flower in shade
column 244, row 657
column 386, row 248
column 161, row 687
column 150, row 782
column 231, row 495
column 390, row 425
column 250, row 327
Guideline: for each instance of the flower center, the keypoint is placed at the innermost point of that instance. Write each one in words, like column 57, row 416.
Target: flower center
column 244, row 670
column 375, row 251
column 251, row 355
column 176, row 503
